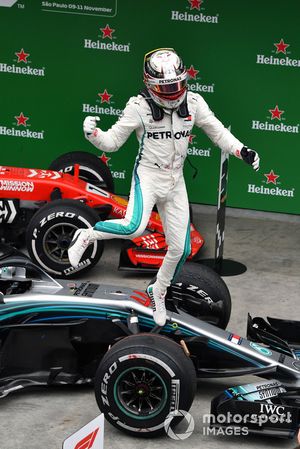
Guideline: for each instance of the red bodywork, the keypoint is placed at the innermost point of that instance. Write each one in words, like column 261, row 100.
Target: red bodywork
column 36, row 185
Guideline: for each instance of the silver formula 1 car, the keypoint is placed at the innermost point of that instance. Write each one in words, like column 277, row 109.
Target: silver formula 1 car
column 66, row 332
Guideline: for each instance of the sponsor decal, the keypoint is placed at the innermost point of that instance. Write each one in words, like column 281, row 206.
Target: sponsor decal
column 261, row 349
column 194, row 82
column 21, row 65
column 269, row 390
column 43, row 174
column 279, row 56
column 16, row 186
column 141, row 297
column 195, row 11
column 82, row 264
column 107, row 41
column 106, row 8
column 273, row 186
column 54, row 215
column 167, row 134
column 276, row 124
column 236, row 339
column 21, row 121
column 8, row 211
column 103, row 105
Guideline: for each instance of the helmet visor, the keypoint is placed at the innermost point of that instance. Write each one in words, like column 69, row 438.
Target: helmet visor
column 168, row 89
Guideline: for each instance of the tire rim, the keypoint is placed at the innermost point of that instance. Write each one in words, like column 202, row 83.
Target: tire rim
column 187, row 299
column 57, row 240
column 140, row 392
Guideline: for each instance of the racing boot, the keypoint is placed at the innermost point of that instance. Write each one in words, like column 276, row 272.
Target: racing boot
column 81, row 240
column 158, row 304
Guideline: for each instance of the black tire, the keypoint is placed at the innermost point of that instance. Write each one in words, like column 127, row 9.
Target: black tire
column 91, row 168
column 49, row 234
column 201, row 292
column 161, row 368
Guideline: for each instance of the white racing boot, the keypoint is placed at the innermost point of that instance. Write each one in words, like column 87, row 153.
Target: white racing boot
column 158, row 304
column 81, row 240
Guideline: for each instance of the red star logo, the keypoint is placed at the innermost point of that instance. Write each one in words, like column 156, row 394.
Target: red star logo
column 104, row 158
column 21, row 119
column 22, row 56
column 191, row 138
column 192, row 72
column 107, row 32
column 195, row 4
column 276, row 113
column 105, row 96
column 271, row 177
column 281, row 47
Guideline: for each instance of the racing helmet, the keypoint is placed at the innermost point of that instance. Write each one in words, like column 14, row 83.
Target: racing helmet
column 165, row 77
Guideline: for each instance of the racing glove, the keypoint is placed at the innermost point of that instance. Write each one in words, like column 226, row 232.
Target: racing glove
column 250, row 157
column 89, row 125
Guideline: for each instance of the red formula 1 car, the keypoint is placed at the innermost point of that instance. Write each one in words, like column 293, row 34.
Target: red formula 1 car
column 47, row 206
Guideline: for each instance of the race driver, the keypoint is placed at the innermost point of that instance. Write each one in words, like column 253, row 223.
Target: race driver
column 162, row 116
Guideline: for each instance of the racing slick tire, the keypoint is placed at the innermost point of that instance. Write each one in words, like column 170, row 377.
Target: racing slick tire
column 201, row 292
column 141, row 380
column 49, row 234
column 91, row 168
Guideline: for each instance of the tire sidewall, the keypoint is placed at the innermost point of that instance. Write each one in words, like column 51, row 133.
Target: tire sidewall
column 172, row 372
column 207, row 286
column 89, row 163
column 52, row 216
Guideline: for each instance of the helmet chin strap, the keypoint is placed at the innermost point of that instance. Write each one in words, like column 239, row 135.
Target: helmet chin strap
column 158, row 111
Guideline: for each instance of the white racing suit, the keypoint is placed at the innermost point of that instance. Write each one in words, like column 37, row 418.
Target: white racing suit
column 158, row 173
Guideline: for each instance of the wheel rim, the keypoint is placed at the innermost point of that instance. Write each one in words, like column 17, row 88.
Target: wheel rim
column 57, row 240
column 140, row 392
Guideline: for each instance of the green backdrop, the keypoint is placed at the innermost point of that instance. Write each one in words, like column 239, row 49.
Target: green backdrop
column 56, row 58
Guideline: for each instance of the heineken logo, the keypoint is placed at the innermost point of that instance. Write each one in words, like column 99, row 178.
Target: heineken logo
column 22, row 56
column 21, row 65
column 270, row 186
column 276, row 113
column 115, row 174
column 105, row 159
column 21, row 122
column 281, row 47
column 280, row 57
column 107, row 32
column 193, row 149
column 194, row 85
column 105, row 96
column 104, row 105
column 274, row 125
column 106, row 41
column 21, row 119
column 271, row 177
column 195, row 13
column 202, row 152
column 195, row 4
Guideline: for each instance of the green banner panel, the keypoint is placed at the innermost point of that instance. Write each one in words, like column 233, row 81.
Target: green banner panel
column 61, row 61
